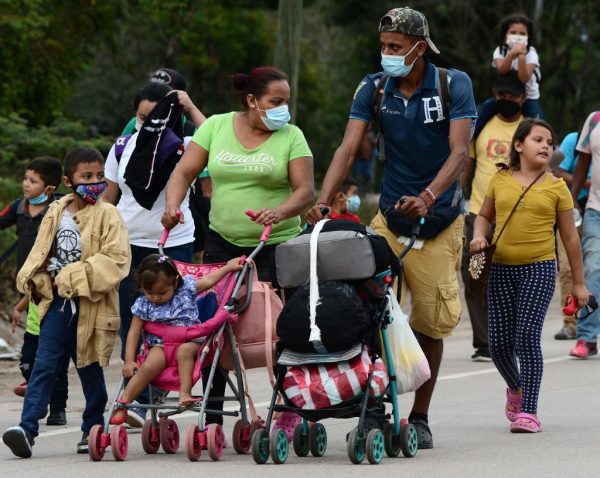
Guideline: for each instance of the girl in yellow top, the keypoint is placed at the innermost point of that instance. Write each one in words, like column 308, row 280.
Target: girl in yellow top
column 522, row 277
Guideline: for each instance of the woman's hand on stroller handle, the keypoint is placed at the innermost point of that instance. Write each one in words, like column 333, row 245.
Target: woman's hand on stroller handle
column 171, row 217
column 260, row 218
column 167, row 230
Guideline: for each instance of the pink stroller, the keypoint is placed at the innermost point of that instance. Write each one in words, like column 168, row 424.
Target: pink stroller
column 160, row 430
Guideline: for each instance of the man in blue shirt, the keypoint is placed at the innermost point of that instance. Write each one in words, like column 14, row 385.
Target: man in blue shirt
column 426, row 148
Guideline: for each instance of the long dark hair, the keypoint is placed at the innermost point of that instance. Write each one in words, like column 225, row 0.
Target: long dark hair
column 524, row 130
column 255, row 82
column 505, row 25
column 152, row 266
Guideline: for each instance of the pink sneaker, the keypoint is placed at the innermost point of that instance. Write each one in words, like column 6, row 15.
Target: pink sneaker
column 584, row 349
column 513, row 404
column 287, row 422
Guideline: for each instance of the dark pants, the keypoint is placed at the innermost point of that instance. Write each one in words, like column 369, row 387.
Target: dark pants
column 218, row 249
column 128, row 292
column 60, row 391
column 475, row 291
column 58, row 342
column 519, row 300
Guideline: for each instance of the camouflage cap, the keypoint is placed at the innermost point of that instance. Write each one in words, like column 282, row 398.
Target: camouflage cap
column 408, row 21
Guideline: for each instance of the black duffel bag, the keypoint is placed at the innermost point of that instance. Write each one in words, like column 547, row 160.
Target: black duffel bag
column 341, row 316
column 434, row 223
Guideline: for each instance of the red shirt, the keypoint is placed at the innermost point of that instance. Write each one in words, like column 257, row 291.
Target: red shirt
column 345, row 215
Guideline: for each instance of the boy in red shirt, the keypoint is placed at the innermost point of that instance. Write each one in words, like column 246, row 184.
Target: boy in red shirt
column 346, row 201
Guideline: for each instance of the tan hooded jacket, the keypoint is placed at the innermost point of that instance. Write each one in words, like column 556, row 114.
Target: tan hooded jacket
column 105, row 261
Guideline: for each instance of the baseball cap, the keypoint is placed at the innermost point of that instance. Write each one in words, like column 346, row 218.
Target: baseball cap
column 408, row 21
column 169, row 77
column 510, row 83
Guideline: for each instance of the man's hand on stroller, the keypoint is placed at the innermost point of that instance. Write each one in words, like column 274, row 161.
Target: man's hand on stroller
column 412, row 206
column 129, row 368
column 316, row 213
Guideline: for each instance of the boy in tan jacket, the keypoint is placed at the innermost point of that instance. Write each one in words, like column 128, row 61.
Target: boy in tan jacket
column 73, row 272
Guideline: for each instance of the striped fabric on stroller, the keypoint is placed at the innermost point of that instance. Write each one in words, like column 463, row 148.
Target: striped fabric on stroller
column 162, row 431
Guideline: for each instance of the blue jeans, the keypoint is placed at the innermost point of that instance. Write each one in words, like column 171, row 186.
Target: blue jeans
column 128, row 292
column 58, row 342
column 589, row 328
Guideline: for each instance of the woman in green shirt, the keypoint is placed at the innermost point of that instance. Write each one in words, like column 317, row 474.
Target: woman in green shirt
column 256, row 161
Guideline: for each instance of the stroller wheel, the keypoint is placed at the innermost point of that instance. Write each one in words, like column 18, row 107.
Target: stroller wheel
column 392, row 442
column 96, row 450
column 279, row 446
column 355, row 447
column 242, row 436
column 408, row 440
column 260, row 446
column 317, row 439
column 118, row 442
column 169, row 435
column 300, row 441
column 215, row 441
column 192, row 443
column 375, row 446
column 150, row 438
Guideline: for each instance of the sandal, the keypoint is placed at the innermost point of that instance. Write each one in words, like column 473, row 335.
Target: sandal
column 120, row 414
column 190, row 402
column 513, row 404
column 288, row 422
column 526, row 423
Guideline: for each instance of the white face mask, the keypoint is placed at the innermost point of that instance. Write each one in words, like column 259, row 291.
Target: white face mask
column 512, row 40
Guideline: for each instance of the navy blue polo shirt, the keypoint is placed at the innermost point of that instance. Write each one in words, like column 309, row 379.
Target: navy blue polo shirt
column 415, row 130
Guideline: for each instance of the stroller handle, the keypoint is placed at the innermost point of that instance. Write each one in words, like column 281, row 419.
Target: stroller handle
column 164, row 236
column 266, row 232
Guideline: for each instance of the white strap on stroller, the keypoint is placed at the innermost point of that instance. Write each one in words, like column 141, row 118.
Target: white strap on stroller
column 315, row 298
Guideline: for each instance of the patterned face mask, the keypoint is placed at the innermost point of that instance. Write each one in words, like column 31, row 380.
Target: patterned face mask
column 90, row 192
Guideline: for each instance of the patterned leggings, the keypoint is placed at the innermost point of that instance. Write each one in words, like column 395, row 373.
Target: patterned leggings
column 519, row 297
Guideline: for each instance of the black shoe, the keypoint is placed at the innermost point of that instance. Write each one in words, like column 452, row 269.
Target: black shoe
column 371, row 423
column 82, row 446
column 481, row 355
column 19, row 441
column 57, row 417
column 424, row 437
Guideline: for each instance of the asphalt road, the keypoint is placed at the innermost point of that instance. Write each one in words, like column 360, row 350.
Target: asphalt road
column 467, row 419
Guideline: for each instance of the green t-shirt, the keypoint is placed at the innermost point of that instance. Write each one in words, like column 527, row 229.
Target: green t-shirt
column 249, row 179
column 33, row 319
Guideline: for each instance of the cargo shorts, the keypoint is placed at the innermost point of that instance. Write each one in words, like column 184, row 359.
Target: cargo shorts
column 430, row 274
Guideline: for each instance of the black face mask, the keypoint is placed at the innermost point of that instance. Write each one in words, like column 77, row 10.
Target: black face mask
column 507, row 108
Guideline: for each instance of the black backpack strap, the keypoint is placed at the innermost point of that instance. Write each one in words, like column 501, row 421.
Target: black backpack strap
column 377, row 102
column 444, row 90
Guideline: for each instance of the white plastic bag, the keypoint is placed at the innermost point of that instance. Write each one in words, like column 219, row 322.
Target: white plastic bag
column 410, row 363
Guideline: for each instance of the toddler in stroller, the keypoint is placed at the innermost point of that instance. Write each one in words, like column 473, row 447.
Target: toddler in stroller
column 170, row 299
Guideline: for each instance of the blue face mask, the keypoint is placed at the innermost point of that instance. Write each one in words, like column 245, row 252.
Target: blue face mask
column 394, row 65
column 276, row 118
column 41, row 199
column 353, row 203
